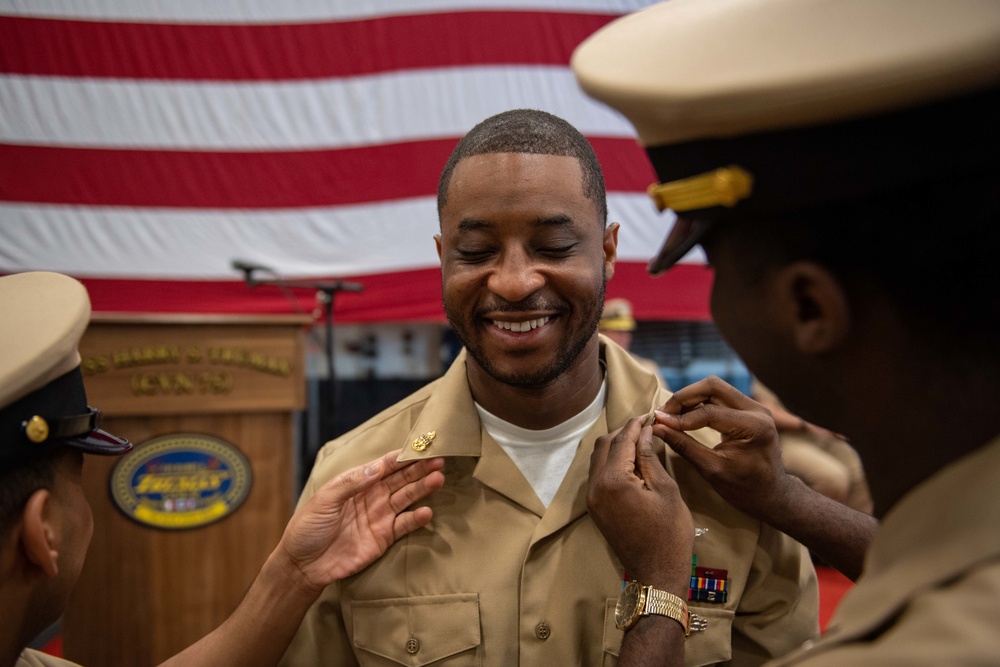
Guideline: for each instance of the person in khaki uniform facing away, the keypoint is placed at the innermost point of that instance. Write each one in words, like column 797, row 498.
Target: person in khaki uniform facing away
column 513, row 570
column 46, row 523
column 838, row 163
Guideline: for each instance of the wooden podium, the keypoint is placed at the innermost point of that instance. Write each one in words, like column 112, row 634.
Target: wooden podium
column 146, row 592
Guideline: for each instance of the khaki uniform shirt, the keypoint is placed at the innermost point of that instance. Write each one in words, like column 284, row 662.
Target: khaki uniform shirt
column 930, row 591
column 497, row 579
column 32, row 658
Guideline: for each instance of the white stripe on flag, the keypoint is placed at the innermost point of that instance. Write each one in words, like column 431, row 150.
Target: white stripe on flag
column 269, row 11
column 200, row 244
column 340, row 113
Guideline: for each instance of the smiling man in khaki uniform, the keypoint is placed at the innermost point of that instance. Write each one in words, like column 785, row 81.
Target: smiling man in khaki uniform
column 838, row 163
column 513, row 570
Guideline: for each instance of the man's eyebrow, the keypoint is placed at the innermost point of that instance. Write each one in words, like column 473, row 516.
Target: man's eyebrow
column 560, row 220
column 472, row 224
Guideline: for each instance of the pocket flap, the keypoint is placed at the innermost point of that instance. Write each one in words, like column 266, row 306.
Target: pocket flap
column 418, row 630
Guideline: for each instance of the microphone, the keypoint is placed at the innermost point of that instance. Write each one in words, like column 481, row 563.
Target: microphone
column 248, row 268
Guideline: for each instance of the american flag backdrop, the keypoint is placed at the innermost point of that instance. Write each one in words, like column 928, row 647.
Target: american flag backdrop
column 145, row 144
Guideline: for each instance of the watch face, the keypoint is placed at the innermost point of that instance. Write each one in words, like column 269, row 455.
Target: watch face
column 627, row 609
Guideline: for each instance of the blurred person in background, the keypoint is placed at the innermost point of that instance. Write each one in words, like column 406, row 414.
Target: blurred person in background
column 617, row 323
column 824, row 460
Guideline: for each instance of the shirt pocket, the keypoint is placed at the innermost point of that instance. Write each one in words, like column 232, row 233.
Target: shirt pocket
column 712, row 645
column 417, row 631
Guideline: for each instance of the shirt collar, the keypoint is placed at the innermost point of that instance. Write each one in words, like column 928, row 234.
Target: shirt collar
column 450, row 413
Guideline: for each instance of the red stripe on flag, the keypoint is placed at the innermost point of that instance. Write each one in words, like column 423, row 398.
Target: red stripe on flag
column 680, row 294
column 53, row 47
column 279, row 179
column 404, row 296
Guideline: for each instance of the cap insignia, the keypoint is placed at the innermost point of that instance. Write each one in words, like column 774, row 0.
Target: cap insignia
column 37, row 429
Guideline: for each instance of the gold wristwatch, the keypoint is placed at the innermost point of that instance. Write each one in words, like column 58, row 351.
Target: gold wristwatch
column 637, row 600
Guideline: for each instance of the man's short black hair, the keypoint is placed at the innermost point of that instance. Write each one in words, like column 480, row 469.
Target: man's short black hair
column 21, row 479
column 534, row 132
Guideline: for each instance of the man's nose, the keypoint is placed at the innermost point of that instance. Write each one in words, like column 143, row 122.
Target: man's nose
column 515, row 277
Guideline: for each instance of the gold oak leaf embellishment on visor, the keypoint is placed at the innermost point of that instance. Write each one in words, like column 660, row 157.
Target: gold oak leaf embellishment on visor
column 722, row 187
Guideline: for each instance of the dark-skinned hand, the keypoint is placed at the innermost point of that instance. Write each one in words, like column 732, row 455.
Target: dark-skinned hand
column 638, row 508
column 355, row 517
column 745, row 467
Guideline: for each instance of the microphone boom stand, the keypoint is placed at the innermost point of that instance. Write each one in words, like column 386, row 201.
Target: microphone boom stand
column 325, row 291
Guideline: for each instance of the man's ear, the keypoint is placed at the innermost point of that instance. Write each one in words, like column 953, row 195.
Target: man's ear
column 610, row 249
column 815, row 307
column 38, row 533
column 437, row 242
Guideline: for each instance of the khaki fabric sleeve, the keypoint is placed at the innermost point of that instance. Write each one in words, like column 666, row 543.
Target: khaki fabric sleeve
column 322, row 638
column 953, row 625
column 779, row 610
column 31, row 658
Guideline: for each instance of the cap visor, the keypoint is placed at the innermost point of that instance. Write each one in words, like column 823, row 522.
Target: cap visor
column 683, row 236
column 99, row 442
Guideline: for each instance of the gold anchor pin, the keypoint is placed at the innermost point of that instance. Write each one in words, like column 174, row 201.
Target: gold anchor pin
column 424, row 441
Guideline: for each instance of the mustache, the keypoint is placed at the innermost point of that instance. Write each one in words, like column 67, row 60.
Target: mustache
column 533, row 303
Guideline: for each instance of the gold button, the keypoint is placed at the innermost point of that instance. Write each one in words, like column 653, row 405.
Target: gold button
column 412, row 645
column 542, row 631
column 424, row 441
column 37, row 429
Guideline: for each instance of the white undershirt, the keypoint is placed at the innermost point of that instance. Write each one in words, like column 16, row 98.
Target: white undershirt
column 544, row 456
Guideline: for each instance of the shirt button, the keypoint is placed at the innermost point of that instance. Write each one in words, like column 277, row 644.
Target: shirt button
column 412, row 645
column 542, row 631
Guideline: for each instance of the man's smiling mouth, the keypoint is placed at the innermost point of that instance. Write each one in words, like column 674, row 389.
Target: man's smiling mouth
column 521, row 327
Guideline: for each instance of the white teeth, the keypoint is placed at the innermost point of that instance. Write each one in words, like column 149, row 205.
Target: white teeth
column 521, row 327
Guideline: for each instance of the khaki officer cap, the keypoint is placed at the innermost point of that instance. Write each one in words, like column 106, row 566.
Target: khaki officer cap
column 42, row 398
column 761, row 106
column 617, row 316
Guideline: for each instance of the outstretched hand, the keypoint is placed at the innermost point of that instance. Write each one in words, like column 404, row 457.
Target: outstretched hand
column 356, row 516
column 345, row 526
column 745, row 467
column 638, row 508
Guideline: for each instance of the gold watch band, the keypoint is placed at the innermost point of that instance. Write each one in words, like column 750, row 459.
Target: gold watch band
column 667, row 604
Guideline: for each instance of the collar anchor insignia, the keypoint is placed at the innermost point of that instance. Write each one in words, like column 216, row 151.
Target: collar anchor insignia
column 424, row 441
